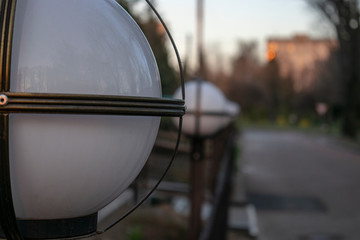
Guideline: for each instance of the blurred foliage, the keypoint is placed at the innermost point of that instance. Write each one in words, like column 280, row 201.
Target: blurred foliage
column 267, row 98
column 135, row 233
column 344, row 16
column 260, row 90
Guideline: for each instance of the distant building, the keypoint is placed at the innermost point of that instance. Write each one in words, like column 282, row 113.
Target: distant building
column 298, row 57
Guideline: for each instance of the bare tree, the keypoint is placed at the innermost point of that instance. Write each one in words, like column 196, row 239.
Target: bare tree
column 344, row 16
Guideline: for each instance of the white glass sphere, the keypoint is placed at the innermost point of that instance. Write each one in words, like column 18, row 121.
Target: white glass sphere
column 232, row 110
column 211, row 100
column 65, row 166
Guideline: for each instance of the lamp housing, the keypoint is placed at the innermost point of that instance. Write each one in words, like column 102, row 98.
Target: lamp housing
column 80, row 107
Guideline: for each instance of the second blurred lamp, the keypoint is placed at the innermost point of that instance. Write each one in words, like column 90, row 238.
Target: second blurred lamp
column 208, row 110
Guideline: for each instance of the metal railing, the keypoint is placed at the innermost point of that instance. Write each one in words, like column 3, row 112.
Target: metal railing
column 215, row 228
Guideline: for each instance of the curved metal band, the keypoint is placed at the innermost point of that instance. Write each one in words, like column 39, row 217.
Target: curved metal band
column 174, row 47
column 7, row 213
column 7, row 13
column 90, row 104
column 8, row 221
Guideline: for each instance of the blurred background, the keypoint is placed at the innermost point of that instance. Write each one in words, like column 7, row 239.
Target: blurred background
column 293, row 66
column 285, row 62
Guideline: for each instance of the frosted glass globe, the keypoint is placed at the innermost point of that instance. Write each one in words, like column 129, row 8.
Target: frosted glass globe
column 232, row 110
column 211, row 100
column 65, row 166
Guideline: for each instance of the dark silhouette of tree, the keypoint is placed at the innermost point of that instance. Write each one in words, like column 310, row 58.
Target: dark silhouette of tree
column 260, row 89
column 328, row 87
column 344, row 16
column 244, row 85
column 246, row 65
column 279, row 90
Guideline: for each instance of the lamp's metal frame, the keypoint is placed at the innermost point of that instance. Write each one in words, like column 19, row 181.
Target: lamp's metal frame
column 48, row 103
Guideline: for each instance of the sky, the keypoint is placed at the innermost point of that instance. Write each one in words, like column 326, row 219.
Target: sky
column 227, row 22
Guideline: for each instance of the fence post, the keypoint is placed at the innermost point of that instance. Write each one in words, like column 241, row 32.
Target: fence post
column 216, row 226
column 196, row 194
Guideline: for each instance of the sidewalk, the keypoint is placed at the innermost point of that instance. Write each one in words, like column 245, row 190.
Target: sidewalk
column 304, row 186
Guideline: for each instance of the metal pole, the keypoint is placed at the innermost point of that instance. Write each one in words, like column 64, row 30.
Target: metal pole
column 196, row 171
column 197, row 156
column 200, row 37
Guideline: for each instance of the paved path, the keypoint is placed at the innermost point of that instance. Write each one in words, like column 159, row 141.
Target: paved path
column 306, row 186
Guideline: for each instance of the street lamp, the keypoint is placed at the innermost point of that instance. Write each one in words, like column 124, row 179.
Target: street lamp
column 80, row 107
column 232, row 110
column 208, row 111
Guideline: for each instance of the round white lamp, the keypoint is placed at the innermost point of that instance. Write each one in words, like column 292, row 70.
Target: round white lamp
column 80, row 110
column 232, row 110
column 208, row 110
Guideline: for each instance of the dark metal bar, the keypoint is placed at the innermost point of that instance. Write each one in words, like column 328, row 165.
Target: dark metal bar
column 196, row 171
column 3, row 39
column 91, row 104
column 7, row 212
column 216, row 227
column 49, row 102
column 197, row 191
column 200, row 38
column 48, row 99
column 7, row 11
column 91, row 97
column 58, row 228
column 198, row 106
column 10, row 30
column 90, row 110
column 209, row 113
